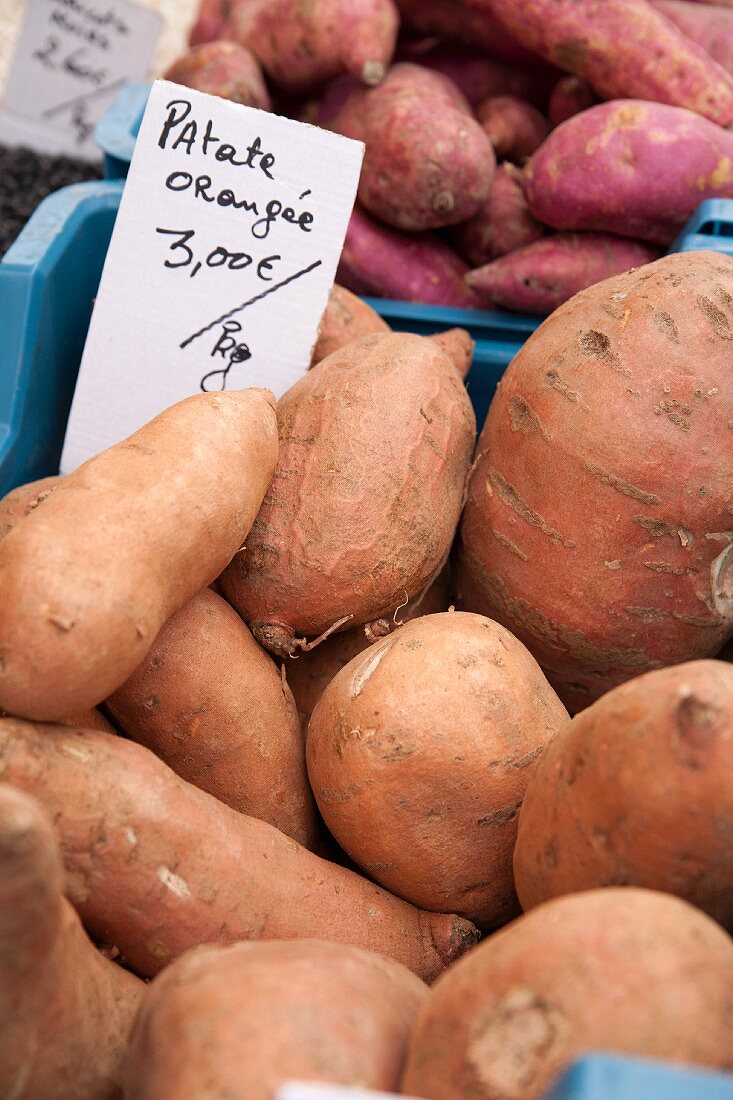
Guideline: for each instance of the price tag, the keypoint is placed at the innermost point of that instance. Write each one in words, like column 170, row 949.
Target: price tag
column 72, row 58
column 223, row 255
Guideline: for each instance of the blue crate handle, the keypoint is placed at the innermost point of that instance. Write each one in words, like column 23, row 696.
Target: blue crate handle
column 608, row 1077
column 710, row 227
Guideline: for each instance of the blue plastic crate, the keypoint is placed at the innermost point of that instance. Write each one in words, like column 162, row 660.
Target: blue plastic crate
column 116, row 132
column 602, row 1077
column 48, row 281
column 709, row 229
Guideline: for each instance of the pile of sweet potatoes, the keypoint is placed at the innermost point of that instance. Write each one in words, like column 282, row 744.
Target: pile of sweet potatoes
column 264, row 786
column 517, row 151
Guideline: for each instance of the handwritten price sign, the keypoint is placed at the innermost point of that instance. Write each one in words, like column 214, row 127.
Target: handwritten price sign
column 224, row 253
column 71, row 59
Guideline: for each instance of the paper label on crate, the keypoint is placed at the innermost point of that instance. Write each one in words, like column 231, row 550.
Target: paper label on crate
column 72, row 58
column 297, row 1090
column 224, row 253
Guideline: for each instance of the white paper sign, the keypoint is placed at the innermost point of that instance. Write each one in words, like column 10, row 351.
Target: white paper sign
column 222, row 258
column 72, row 58
column 302, row 1091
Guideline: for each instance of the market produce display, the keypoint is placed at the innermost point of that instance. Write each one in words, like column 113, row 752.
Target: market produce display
column 346, row 740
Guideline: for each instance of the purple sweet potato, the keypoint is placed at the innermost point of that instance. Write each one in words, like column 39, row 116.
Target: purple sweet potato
column 629, row 167
column 514, row 127
column 623, row 48
column 224, row 69
column 469, row 23
column 711, row 27
column 416, row 267
column 210, row 19
column 570, row 96
column 543, row 275
column 301, row 44
column 478, row 76
column 502, row 225
column 428, row 163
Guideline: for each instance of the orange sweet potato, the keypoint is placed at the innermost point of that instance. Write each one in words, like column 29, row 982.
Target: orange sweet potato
column 309, row 674
column 20, row 502
column 638, row 791
column 419, row 753
column 90, row 576
column 598, row 521
column 212, row 704
column 225, row 69
column 156, row 866
column 623, row 970
column 65, row 1010
column 243, row 1020
column 376, row 442
column 346, row 318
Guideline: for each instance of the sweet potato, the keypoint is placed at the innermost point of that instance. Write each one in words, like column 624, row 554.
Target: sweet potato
column 603, row 467
column 514, row 127
column 622, row 48
column 541, row 276
column 225, row 69
column 638, row 791
column 346, row 318
column 20, row 502
column 570, row 96
column 623, row 970
column 65, row 1010
column 210, row 19
column 710, row 27
column 212, row 704
column 302, row 44
column 438, row 177
column 478, row 76
column 632, row 168
column 89, row 577
column 245, row 1019
column 502, row 225
column 309, row 674
column 376, row 442
column 419, row 753
column 156, row 866
column 468, row 23
column 415, row 267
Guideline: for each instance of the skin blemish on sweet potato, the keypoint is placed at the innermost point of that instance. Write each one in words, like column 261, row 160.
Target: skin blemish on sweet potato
column 511, row 1042
column 509, row 545
column 523, row 419
column 716, row 317
column 511, row 498
column 620, row 485
column 369, row 666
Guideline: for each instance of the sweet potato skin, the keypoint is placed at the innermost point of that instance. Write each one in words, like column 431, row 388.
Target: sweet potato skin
column 628, row 167
column 301, row 44
column 209, row 23
column 20, row 502
column 309, row 674
column 502, row 225
column 212, row 704
column 631, row 570
column 427, row 163
column 469, row 23
column 225, row 69
column 376, row 442
column 638, row 791
column 710, row 26
column 570, row 96
column 477, row 76
column 83, row 590
column 346, row 318
column 156, row 866
column 623, row 48
column 417, row 267
column 541, row 276
column 65, row 1011
column 406, row 786
column 243, row 1020
column 621, row 970
column 514, row 127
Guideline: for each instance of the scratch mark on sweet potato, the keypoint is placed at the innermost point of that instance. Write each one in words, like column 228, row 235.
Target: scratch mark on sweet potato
column 509, row 545
column 716, row 317
column 512, row 499
column 620, row 485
